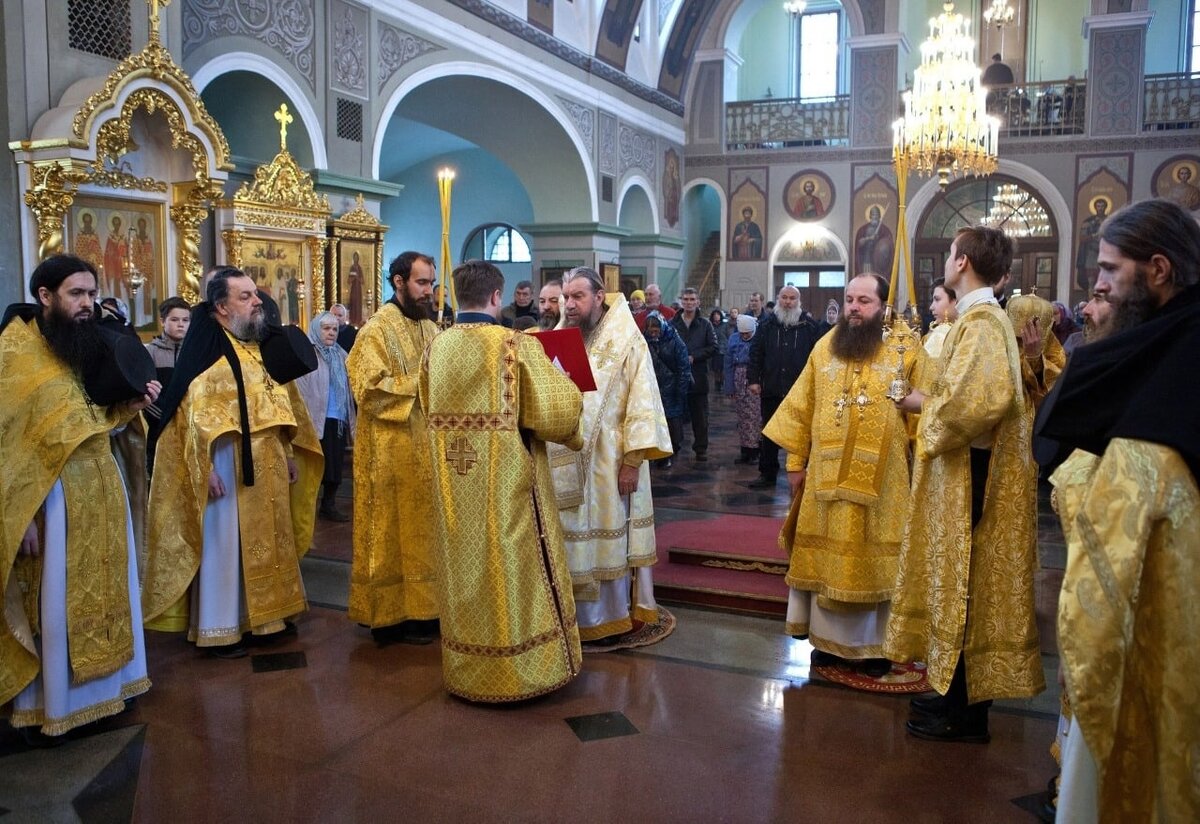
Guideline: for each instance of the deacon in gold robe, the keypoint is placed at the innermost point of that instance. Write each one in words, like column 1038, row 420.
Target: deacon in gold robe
column 848, row 467
column 236, row 469
column 603, row 491
column 71, row 644
column 492, row 399
column 393, row 579
column 1130, row 507
column 970, row 536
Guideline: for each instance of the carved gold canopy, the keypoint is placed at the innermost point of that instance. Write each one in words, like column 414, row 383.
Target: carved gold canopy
column 93, row 148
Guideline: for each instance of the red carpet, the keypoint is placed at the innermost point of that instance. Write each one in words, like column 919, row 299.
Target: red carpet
column 747, row 536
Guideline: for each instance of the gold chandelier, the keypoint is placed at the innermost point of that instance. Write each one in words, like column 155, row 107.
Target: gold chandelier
column 1000, row 13
column 946, row 128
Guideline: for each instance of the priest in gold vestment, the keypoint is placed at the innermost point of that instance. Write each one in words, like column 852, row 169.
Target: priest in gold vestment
column 603, row 491
column 848, row 466
column 1130, row 506
column 71, row 644
column 393, row 580
column 492, row 399
column 964, row 599
column 237, row 465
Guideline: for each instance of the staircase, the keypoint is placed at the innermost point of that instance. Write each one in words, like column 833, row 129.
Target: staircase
column 705, row 274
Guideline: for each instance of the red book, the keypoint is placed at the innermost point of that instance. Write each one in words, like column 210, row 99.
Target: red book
column 565, row 349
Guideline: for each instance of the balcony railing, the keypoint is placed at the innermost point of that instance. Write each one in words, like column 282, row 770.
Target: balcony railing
column 783, row 122
column 1038, row 109
column 1172, row 102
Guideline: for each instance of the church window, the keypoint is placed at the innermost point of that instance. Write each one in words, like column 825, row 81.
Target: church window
column 497, row 243
column 817, row 54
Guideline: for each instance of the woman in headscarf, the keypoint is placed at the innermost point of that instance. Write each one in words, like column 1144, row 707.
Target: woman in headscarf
column 1064, row 323
column 673, row 369
column 749, row 415
column 326, row 393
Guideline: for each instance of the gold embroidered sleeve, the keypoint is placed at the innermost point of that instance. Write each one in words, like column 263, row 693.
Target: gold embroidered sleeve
column 550, row 403
column 382, row 388
column 976, row 389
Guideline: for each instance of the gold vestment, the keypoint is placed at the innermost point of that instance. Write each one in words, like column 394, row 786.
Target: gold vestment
column 976, row 399
column 393, row 574
column 608, row 534
column 491, row 399
column 843, row 533
column 49, row 431
column 275, row 518
column 1128, row 625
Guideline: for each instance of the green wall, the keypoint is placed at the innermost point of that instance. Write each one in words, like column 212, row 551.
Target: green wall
column 1166, row 40
column 1056, row 48
column 764, row 48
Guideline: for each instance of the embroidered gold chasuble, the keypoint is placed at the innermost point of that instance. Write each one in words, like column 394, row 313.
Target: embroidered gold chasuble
column 491, row 399
column 393, row 574
column 1128, row 625
column 50, row 432
column 623, row 416
column 976, row 399
column 843, row 533
column 275, row 518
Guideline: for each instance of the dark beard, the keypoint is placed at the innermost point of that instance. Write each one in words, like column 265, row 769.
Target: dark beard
column 76, row 343
column 414, row 309
column 857, row 343
column 547, row 321
column 1133, row 311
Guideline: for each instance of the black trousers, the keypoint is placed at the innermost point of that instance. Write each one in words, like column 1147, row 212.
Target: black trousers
column 768, row 450
column 333, row 444
column 698, row 410
column 956, row 695
column 675, row 427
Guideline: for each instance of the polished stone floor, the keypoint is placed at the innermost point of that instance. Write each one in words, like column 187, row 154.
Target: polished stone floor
column 722, row 721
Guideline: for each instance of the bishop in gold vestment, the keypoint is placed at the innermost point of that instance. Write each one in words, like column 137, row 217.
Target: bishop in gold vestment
column 492, row 399
column 609, row 530
column 71, row 644
column 220, row 565
column 393, row 575
column 843, row 532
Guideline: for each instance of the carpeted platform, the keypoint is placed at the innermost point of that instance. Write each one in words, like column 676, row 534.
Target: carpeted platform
column 749, row 537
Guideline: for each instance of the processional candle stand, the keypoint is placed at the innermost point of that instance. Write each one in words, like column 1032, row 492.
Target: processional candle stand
column 445, row 177
column 133, row 278
column 945, row 130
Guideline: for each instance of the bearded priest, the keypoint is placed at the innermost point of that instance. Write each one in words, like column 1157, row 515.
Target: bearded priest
column 848, row 470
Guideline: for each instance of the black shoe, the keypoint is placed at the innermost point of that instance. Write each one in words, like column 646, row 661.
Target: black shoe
column 932, row 706
column 665, row 463
column 875, row 667
column 289, row 630
column 964, row 728
column 820, row 658
column 701, row 457
column 331, row 514
column 762, row 482
column 420, row 633
column 35, row 738
column 803, row 637
column 392, row 634
column 227, row 652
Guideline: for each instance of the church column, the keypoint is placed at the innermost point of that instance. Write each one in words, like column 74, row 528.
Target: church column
column 560, row 246
column 874, row 101
column 656, row 259
column 1115, row 78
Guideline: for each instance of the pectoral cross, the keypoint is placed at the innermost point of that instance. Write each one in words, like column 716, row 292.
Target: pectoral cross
column 461, row 455
column 285, row 120
column 840, row 404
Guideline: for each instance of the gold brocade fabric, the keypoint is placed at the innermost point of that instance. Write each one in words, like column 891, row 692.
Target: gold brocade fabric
column 935, row 341
column 1128, row 625
column 943, row 566
column 44, row 419
column 838, row 423
column 607, row 533
column 491, row 399
column 393, row 575
column 275, row 518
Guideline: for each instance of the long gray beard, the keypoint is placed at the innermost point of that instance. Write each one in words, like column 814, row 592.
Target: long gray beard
column 547, row 321
column 249, row 329
column 788, row 317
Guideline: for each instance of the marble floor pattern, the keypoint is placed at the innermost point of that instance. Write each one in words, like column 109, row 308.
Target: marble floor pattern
column 722, row 721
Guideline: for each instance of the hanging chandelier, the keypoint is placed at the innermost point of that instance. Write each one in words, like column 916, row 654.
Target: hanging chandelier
column 1016, row 213
column 1000, row 13
column 945, row 127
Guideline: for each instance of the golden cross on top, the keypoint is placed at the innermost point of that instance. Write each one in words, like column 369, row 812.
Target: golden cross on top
column 284, row 120
column 461, row 455
column 155, row 7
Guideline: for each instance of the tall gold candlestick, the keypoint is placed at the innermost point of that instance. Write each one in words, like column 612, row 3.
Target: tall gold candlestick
column 445, row 187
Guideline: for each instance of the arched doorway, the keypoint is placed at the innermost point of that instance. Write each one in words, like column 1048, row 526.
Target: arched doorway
column 812, row 259
column 1002, row 202
column 702, row 219
column 636, row 214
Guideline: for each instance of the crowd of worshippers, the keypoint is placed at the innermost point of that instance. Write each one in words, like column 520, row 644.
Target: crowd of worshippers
column 199, row 463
